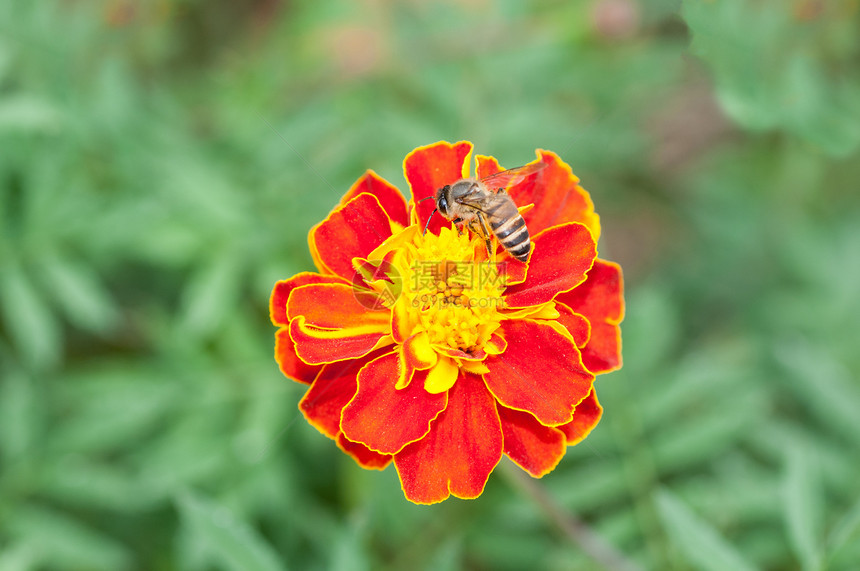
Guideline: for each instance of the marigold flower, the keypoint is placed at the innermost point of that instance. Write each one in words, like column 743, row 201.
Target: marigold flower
column 426, row 350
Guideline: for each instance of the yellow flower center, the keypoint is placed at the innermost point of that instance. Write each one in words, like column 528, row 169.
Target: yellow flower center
column 451, row 295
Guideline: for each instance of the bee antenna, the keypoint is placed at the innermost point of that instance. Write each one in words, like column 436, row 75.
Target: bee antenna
column 426, row 198
column 429, row 218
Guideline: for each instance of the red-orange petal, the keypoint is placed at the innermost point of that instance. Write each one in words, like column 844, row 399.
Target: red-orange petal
column 365, row 457
column 352, row 230
column 431, row 167
column 559, row 261
column 323, row 403
column 389, row 197
column 535, row 448
column 585, row 418
column 328, row 324
column 282, row 289
column 386, row 419
column 289, row 362
column 486, row 166
column 557, row 197
column 515, row 271
column 462, row 448
column 601, row 300
column 541, row 372
column 333, row 388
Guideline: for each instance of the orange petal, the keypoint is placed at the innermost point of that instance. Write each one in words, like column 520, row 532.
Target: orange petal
column 365, row 457
column 386, row 419
column 401, row 319
column 541, row 372
column 557, row 196
column 352, row 230
column 601, row 300
column 535, row 448
column 462, row 448
column 560, row 258
column 431, row 167
column 333, row 306
column 316, row 346
column 289, row 362
column 477, row 355
column 442, row 376
column 585, row 418
column 282, row 289
column 543, row 311
column 476, row 367
column 496, row 345
column 418, row 353
column 576, row 324
column 389, row 197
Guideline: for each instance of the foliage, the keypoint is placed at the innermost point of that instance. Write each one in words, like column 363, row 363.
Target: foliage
column 161, row 164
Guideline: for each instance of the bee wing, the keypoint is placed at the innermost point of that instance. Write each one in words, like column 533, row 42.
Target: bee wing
column 474, row 200
column 509, row 177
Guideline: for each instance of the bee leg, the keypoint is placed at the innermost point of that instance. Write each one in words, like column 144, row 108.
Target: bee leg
column 456, row 223
column 486, row 232
column 429, row 218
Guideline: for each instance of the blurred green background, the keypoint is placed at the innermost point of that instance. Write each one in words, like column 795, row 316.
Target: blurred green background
column 162, row 162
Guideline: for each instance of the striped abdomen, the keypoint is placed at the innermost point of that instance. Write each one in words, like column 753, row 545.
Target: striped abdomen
column 509, row 227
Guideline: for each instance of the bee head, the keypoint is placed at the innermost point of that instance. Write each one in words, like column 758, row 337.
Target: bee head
column 442, row 199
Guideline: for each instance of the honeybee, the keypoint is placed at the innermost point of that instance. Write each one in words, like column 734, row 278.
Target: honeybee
column 485, row 202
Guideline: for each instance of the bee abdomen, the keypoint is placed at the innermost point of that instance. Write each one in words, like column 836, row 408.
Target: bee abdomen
column 513, row 235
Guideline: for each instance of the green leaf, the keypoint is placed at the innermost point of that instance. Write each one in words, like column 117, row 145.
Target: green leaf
column 845, row 530
column 64, row 542
column 770, row 73
column 79, row 293
column 820, row 113
column 599, row 481
column 447, row 557
column 19, row 557
column 109, row 407
column 224, row 536
column 650, row 328
column 20, row 415
column 347, row 552
column 699, row 437
column 702, row 545
column 802, row 502
column 76, row 481
column 210, row 294
column 823, row 385
column 835, row 465
column 27, row 114
column 191, row 450
column 33, row 328
column 5, row 59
